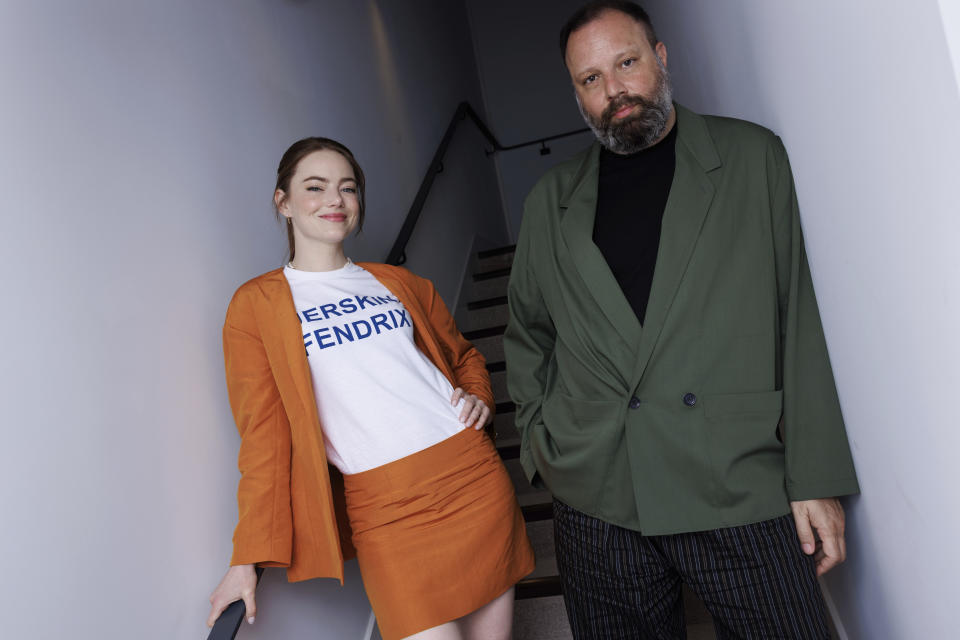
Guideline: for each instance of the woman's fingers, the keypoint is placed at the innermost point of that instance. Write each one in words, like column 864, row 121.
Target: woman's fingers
column 215, row 610
column 474, row 411
column 240, row 582
column 484, row 417
column 251, row 604
column 466, row 409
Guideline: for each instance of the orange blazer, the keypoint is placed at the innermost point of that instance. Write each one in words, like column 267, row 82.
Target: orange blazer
column 291, row 504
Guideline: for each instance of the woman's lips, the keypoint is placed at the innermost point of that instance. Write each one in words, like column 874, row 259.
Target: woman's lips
column 334, row 217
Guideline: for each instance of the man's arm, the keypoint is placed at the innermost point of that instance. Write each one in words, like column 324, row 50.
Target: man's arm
column 528, row 344
column 819, row 466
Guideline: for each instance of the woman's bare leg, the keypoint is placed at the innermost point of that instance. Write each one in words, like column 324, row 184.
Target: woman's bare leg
column 492, row 621
column 446, row 631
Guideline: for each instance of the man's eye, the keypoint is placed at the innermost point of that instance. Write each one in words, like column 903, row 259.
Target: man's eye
column 590, row 79
column 628, row 62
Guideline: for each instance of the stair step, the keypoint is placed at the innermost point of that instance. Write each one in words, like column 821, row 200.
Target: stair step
column 505, row 426
column 533, row 496
column 541, row 619
column 509, row 450
column 540, row 533
column 501, row 261
column 483, row 289
column 498, row 383
column 498, row 314
column 493, row 273
column 499, row 251
column 538, row 511
column 541, row 587
column 491, row 347
column 486, row 303
column 485, row 333
column 526, row 493
column 496, row 367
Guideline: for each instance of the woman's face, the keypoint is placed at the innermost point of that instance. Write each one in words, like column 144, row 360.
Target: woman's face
column 322, row 202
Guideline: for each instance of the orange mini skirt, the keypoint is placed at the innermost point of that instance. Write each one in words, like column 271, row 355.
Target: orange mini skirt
column 438, row 534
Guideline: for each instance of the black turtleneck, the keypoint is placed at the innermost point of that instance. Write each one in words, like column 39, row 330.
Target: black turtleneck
column 631, row 198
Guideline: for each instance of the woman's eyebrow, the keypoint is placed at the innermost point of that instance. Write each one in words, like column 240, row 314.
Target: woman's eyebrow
column 322, row 179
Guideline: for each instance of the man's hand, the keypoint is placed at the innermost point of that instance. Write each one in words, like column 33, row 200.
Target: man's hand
column 825, row 517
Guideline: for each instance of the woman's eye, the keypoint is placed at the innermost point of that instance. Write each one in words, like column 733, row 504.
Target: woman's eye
column 349, row 190
column 314, row 188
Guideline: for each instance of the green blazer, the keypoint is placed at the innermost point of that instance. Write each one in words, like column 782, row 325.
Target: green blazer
column 673, row 426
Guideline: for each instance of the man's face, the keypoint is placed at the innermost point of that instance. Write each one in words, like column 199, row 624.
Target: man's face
column 621, row 82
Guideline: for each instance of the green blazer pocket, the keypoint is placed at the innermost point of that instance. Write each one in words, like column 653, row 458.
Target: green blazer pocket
column 746, row 455
column 579, row 442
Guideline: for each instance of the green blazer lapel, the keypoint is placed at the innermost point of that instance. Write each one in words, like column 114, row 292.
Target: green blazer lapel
column 690, row 196
column 576, row 227
column 277, row 291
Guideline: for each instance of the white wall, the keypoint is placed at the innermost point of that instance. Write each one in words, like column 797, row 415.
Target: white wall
column 866, row 99
column 950, row 13
column 526, row 89
column 140, row 141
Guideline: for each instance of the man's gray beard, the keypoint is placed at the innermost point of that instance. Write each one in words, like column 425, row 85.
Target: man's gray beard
column 640, row 130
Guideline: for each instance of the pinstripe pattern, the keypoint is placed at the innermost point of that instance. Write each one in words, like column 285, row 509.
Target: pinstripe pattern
column 754, row 579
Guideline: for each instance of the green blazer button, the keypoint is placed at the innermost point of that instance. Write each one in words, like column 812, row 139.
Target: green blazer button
column 689, row 399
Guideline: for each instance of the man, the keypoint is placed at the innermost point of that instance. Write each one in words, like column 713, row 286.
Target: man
column 667, row 360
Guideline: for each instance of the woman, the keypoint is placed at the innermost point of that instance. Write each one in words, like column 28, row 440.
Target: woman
column 361, row 366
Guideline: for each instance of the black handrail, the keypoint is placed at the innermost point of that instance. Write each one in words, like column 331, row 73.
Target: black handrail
column 397, row 253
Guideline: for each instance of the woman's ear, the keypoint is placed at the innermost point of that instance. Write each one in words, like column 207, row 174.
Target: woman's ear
column 280, row 202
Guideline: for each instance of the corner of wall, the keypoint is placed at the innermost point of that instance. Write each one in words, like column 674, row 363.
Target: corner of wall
column 833, row 612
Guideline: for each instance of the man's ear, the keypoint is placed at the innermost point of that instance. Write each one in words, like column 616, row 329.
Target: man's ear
column 661, row 51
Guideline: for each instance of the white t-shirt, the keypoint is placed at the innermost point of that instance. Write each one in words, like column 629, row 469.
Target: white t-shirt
column 379, row 398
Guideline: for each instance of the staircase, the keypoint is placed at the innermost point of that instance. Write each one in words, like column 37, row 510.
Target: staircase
column 539, row 612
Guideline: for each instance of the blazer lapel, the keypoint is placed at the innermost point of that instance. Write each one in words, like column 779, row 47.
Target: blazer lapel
column 422, row 331
column 277, row 291
column 690, row 196
column 576, row 226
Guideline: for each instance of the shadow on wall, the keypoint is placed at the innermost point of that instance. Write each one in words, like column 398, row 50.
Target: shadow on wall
column 387, row 71
column 698, row 85
column 846, row 580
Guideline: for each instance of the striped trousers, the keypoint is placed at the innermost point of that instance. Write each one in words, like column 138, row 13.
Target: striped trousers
column 754, row 579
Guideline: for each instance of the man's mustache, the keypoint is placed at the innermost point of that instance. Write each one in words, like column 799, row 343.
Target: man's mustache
column 618, row 103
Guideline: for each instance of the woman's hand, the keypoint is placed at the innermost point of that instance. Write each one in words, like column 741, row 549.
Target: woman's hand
column 239, row 584
column 475, row 411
